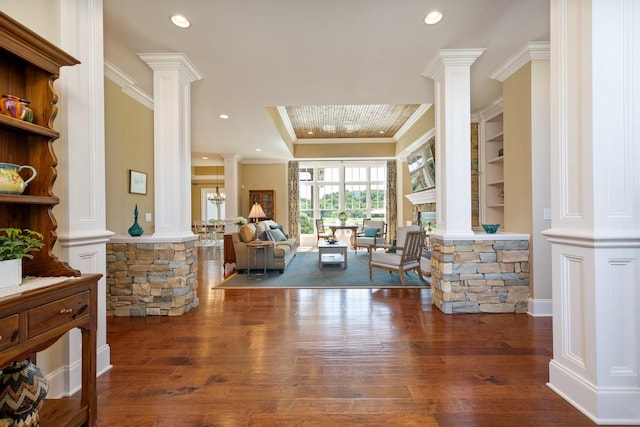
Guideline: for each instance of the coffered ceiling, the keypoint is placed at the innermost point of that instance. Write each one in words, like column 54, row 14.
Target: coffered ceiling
column 350, row 66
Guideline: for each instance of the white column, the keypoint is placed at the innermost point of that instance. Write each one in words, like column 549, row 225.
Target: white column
column 82, row 233
column 595, row 234
column 231, row 186
column 451, row 71
column 172, row 77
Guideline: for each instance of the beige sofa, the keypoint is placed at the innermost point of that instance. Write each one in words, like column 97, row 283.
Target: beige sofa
column 278, row 254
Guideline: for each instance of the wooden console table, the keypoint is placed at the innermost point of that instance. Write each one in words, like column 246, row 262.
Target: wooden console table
column 33, row 320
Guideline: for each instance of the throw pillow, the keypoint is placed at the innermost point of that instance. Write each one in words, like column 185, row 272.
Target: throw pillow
column 278, row 236
column 371, row 232
column 247, row 233
column 281, row 228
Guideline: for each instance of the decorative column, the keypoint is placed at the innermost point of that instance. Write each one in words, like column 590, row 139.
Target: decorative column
column 595, row 200
column 450, row 71
column 82, row 234
column 172, row 77
column 231, row 188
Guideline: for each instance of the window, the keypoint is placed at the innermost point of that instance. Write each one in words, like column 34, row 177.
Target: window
column 357, row 188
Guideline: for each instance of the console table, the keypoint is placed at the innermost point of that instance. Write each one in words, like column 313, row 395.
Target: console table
column 34, row 319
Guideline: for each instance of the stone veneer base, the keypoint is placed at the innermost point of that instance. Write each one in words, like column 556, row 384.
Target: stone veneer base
column 485, row 273
column 151, row 278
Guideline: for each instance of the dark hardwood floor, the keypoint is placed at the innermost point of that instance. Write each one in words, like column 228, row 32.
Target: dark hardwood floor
column 328, row 357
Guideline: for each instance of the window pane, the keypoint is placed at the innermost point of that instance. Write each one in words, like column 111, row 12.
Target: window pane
column 355, row 174
column 356, row 200
column 378, row 173
column 328, row 175
column 378, row 201
column 306, row 174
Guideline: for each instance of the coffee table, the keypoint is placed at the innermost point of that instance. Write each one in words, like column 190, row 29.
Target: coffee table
column 332, row 253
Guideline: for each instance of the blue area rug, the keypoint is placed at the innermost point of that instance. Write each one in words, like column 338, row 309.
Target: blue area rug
column 303, row 272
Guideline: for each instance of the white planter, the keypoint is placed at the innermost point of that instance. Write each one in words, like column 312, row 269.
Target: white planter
column 10, row 273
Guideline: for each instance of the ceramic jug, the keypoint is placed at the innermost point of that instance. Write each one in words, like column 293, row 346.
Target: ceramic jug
column 10, row 180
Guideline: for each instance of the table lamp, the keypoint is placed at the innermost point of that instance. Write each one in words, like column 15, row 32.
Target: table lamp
column 256, row 212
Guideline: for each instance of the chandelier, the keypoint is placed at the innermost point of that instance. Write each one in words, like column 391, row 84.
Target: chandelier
column 217, row 197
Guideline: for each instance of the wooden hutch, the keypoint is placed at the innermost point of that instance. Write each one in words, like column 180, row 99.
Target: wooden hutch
column 57, row 298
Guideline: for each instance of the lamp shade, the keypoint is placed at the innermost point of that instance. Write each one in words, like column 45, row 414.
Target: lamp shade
column 256, row 211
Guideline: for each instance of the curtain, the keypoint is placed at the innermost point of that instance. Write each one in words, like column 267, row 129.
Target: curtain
column 294, row 199
column 392, row 199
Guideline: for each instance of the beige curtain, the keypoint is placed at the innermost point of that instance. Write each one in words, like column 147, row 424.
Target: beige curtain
column 392, row 199
column 294, row 199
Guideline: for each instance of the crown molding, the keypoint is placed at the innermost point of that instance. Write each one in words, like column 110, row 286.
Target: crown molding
column 526, row 54
column 284, row 117
column 422, row 109
column 172, row 61
column 127, row 84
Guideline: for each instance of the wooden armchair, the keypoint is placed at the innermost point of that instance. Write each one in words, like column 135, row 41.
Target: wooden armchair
column 405, row 259
column 374, row 234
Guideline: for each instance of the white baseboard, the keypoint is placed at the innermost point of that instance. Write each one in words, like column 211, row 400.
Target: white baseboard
column 540, row 307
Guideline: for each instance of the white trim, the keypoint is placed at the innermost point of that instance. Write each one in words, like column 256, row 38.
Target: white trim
column 540, row 307
column 127, row 84
column 422, row 109
column 284, row 117
column 527, row 53
column 424, row 196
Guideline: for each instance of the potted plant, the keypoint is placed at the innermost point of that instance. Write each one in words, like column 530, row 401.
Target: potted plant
column 16, row 244
column 342, row 216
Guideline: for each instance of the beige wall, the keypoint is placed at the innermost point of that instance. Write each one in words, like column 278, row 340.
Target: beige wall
column 517, row 151
column 344, row 151
column 198, row 184
column 128, row 145
column 423, row 125
column 264, row 176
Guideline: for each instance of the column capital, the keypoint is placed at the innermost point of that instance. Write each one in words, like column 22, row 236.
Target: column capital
column 451, row 57
column 172, row 61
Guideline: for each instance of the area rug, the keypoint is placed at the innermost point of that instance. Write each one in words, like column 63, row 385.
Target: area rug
column 303, row 272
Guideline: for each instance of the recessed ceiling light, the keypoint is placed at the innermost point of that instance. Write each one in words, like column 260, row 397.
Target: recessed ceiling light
column 310, row 132
column 258, row 149
column 205, row 158
column 224, row 116
column 180, row 21
column 381, row 132
column 433, row 17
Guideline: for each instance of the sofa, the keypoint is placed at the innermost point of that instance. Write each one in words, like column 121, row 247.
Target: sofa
column 278, row 255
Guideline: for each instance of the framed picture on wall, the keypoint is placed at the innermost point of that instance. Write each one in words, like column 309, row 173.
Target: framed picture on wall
column 137, row 182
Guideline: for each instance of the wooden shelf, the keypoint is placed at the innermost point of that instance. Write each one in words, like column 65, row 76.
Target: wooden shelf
column 498, row 182
column 496, row 137
column 29, row 200
column 21, row 126
column 498, row 159
column 497, row 205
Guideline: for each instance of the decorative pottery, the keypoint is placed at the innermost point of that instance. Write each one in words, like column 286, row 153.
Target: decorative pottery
column 27, row 114
column 15, row 107
column 23, row 388
column 135, row 230
column 10, row 273
column 490, row 228
column 10, row 180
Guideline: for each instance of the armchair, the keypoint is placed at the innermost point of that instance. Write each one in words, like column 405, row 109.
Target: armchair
column 374, row 234
column 401, row 263
column 321, row 231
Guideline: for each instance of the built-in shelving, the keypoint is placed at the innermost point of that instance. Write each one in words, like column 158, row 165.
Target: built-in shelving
column 492, row 165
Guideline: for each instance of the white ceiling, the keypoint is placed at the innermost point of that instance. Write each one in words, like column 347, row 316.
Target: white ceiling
column 256, row 54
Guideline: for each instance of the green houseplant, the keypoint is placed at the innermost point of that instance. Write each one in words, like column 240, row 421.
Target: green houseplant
column 342, row 216
column 16, row 244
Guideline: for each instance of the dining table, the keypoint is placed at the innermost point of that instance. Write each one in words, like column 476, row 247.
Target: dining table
column 352, row 227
